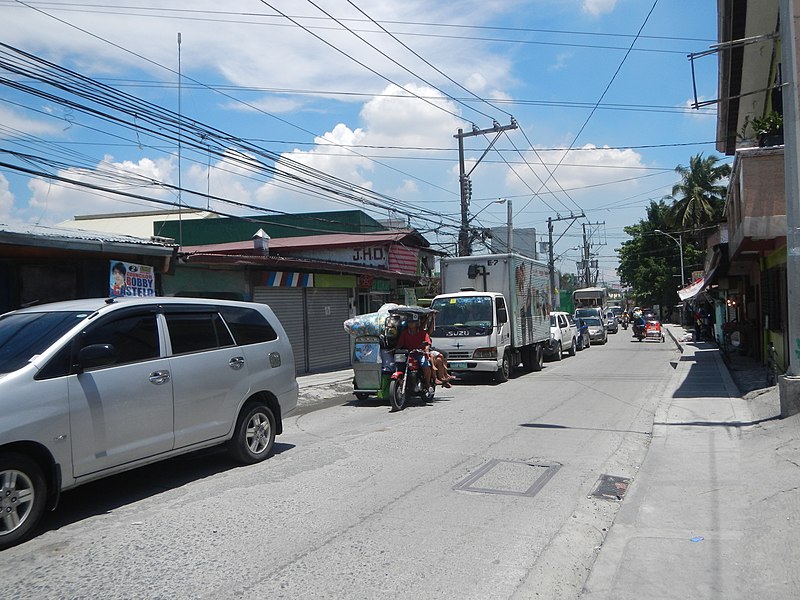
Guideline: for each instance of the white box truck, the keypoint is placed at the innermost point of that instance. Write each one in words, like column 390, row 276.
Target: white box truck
column 493, row 313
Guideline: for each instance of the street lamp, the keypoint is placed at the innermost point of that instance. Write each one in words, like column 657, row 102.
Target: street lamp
column 680, row 250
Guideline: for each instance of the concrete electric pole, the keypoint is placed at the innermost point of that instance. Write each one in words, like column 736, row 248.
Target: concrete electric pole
column 465, row 185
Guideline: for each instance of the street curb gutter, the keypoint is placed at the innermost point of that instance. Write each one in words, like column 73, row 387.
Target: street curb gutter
column 674, row 339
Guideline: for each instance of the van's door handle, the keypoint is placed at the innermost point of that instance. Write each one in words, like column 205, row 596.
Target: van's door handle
column 159, row 377
column 236, row 363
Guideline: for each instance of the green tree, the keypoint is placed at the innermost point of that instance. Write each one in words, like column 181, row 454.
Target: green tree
column 650, row 262
column 699, row 198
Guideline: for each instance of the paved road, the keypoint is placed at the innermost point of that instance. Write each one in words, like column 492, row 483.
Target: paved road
column 360, row 503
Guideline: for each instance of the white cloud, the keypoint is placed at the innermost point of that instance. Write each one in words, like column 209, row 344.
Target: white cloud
column 387, row 121
column 704, row 113
column 560, row 62
column 6, row 200
column 579, row 169
column 52, row 202
column 14, row 123
column 598, row 7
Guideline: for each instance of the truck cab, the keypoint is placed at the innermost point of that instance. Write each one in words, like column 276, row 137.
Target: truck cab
column 473, row 331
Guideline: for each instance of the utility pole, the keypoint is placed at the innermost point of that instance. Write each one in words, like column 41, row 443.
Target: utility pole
column 551, row 263
column 588, row 279
column 465, row 185
column 790, row 47
column 586, row 274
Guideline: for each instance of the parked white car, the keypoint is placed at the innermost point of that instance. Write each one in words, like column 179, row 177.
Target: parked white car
column 563, row 335
column 89, row 388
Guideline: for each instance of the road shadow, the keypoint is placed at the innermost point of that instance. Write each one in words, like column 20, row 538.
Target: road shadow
column 107, row 494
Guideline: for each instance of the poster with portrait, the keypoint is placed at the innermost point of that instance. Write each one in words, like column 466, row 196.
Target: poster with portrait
column 130, row 279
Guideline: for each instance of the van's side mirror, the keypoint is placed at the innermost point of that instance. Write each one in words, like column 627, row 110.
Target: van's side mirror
column 502, row 315
column 96, row 355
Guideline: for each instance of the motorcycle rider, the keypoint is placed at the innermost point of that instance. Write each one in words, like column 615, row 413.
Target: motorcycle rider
column 638, row 322
column 412, row 338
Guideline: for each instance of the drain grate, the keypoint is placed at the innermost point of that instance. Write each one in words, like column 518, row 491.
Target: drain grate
column 509, row 477
column 610, row 487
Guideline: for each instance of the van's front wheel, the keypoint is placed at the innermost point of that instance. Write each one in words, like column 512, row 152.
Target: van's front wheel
column 23, row 493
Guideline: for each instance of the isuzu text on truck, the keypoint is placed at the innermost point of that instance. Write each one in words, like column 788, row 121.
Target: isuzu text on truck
column 493, row 314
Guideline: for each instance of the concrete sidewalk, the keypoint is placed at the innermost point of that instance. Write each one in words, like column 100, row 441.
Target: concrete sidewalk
column 714, row 511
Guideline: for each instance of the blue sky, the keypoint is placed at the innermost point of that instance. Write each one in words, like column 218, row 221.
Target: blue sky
column 603, row 114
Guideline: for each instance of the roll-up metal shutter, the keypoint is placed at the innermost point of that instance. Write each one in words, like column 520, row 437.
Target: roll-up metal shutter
column 288, row 305
column 328, row 342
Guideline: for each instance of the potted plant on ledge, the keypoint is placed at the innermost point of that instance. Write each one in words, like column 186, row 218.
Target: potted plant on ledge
column 767, row 129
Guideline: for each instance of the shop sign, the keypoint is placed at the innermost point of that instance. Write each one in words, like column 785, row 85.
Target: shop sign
column 363, row 256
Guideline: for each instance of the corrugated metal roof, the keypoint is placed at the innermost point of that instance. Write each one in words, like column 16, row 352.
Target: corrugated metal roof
column 277, row 262
column 312, row 241
column 44, row 235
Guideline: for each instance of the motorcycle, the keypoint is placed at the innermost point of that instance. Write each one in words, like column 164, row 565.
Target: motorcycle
column 408, row 379
column 638, row 331
column 624, row 322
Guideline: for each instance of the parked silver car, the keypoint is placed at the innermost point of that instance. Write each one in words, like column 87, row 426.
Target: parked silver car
column 89, row 388
column 597, row 330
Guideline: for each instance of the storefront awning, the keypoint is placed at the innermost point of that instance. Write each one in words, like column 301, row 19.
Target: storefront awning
column 691, row 290
column 698, row 285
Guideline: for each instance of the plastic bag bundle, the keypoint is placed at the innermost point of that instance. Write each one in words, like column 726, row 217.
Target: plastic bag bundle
column 370, row 323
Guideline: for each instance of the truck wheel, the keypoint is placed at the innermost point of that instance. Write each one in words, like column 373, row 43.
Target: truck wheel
column 23, row 494
column 559, row 350
column 572, row 348
column 504, row 372
column 538, row 358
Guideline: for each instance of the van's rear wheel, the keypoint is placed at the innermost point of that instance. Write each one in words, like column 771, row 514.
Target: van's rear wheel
column 254, row 435
column 23, row 493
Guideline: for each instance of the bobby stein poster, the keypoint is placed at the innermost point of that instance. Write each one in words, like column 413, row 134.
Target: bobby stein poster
column 129, row 279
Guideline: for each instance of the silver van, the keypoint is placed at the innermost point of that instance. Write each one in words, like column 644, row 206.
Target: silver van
column 89, row 388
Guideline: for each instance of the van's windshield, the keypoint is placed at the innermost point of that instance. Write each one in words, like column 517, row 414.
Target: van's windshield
column 24, row 335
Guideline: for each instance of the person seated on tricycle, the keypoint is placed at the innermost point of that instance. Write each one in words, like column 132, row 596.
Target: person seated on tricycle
column 439, row 363
column 413, row 338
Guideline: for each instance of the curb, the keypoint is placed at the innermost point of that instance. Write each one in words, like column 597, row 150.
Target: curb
column 674, row 339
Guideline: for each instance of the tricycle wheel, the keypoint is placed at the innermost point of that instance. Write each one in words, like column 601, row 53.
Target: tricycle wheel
column 397, row 398
column 361, row 395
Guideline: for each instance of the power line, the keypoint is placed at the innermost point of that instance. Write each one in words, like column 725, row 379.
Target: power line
column 362, row 64
column 222, row 93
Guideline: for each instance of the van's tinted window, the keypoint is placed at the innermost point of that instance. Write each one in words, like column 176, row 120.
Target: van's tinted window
column 192, row 332
column 134, row 337
column 248, row 325
column 23, row 336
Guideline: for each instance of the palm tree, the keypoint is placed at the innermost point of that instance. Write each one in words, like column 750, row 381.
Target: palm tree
column 699, row 199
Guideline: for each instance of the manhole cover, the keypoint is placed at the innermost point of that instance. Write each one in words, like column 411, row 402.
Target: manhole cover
column 514, row 478
column 611, row 487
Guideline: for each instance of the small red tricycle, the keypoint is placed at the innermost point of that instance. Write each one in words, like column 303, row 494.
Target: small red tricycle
column 653, row 331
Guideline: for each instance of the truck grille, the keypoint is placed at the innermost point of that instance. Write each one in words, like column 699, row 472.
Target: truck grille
column 458, row 355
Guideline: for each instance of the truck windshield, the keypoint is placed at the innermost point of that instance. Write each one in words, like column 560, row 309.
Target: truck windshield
column 467, row 315
column 23, row 336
